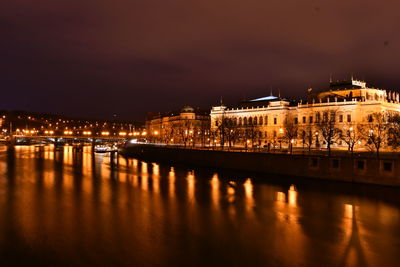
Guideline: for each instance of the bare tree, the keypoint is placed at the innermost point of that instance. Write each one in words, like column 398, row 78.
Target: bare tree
column 251, row 134
column 307, row 137
column 226, row 131
column 375, row 132
column 290, row 131
column 203, row 130
column 394, row 131
column 327, row 127
column 351, row 135
column 169, row 135
column 213, row 138
column 185, row 131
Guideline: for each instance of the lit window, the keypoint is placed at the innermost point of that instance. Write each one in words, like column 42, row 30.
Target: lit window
column 348, row 118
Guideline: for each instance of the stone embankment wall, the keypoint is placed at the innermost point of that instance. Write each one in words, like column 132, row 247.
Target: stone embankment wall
column 348, row 169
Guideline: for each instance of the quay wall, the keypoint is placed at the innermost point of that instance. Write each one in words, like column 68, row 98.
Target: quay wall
column 343, row 168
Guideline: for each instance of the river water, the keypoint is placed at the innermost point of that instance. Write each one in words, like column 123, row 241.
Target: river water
column 62, row 207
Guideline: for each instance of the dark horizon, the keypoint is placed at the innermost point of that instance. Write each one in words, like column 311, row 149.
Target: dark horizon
column 132, row 57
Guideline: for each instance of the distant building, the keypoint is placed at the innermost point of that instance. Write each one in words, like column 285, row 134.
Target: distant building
column 187, row 126
column 267, row 120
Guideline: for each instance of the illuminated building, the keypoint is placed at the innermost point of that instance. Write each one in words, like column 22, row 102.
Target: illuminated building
column 264, row 121
column 187, row 126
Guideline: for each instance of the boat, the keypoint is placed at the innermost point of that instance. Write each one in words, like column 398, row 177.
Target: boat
column 105, row 148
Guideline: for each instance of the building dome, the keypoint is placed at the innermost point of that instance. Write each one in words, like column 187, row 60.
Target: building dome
column 187, row 109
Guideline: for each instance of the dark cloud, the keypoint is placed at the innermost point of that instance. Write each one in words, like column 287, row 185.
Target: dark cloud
column 97, row 58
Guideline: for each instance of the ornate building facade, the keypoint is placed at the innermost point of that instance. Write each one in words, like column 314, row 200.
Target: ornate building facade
column 185, row 127
column 342, row 109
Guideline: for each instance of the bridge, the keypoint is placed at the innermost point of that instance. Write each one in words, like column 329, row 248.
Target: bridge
column 24, row 140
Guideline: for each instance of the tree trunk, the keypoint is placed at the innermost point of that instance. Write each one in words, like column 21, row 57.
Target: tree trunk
column 329, row 148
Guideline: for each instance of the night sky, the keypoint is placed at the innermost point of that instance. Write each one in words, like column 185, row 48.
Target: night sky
column 128, row 57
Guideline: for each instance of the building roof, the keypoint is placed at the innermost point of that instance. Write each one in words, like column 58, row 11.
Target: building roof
column 186, row 109
column 261, row 101
column 265, row 98
column 346, row 84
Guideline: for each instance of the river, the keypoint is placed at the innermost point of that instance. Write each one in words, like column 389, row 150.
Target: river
column 65, row 207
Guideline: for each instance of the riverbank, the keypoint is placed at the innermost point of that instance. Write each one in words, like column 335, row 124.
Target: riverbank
column 382, row 171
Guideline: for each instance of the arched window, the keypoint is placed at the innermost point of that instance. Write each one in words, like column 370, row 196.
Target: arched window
column 266, row 120
column 255, row 120
column 245, row 121
column 250, row 121
column 240, row 121
column 261, row 120
column 236, row 121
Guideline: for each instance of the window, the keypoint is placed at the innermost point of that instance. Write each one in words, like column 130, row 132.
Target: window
column 304, row 119
column 360, row 164
column 387, row 166
column 370, row 119
column 333, row 117
column 317, row 117
column 255, row 120
column 348, row 118
column 310, row 119
column 240, row 121
column 250, row 121
column 296, row 120
column 245, row 121
column 313, row 162
column 340, row 118
column 266, row 120
column 275, row 120
column 335, row 163
column 325, row 119
column 261, row 120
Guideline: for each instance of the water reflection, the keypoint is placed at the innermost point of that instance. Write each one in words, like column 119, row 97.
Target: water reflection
column 190, row 186
column 248, row 188
column 171, row 182
column 63, row 205
column 215, row 193
column 292, row 196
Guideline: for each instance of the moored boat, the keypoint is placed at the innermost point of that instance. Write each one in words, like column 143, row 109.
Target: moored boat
column 105, row 148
